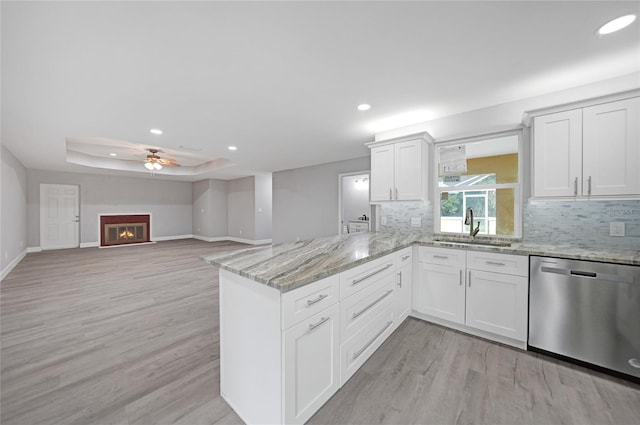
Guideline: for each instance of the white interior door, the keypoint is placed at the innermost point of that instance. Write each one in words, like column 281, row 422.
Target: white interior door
column 59, row 216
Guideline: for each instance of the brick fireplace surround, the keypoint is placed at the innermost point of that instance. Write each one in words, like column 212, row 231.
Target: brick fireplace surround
column 124, row 229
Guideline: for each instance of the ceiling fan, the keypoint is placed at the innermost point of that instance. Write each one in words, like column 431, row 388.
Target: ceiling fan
column 154, row 162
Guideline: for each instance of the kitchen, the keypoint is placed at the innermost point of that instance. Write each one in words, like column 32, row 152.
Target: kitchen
column 510, row 187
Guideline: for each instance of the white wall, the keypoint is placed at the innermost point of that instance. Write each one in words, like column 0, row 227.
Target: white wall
column 263, row 206
column 210, row 208
column 169, row 202
column 509, row 115
column 13, row 211
column 355, row 201
column 305, row 200
column 241, row 207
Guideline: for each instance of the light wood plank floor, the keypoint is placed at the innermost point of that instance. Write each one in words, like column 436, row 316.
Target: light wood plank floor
column 130, row 336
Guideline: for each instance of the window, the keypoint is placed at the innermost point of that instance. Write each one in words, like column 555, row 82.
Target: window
column 483, row 176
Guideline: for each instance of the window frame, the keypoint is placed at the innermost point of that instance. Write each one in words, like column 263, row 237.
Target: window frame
column 517, row 187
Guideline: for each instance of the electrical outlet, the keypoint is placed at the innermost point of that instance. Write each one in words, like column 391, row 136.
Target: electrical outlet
column 383, row 220
column 416, row 222
column 616, row 228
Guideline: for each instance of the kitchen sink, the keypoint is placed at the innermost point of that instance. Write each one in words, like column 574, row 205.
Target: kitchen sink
column 474, row 242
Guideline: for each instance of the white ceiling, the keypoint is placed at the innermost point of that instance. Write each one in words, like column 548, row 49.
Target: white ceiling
column 280, row 80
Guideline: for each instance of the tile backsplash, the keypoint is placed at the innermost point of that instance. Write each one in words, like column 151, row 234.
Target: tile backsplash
column 399, row 214
column 582, row 223
column 578, row 223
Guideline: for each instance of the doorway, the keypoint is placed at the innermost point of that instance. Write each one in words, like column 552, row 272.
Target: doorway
column 355, row 211
column 59, row 216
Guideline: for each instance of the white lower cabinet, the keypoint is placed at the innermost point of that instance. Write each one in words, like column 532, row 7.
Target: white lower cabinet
column 355, row 351
column 311, row 364
column 481, row 293
column 283, row 355
column 404, row 284
column 439, row 292
column 497, row 303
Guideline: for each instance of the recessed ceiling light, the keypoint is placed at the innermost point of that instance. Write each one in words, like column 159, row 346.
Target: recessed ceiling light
column 113, row 154
column 364, row 107
column 232, row 148
column 616, row 24
column 156, row 131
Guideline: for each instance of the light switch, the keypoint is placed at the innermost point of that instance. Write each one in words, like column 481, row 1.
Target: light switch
column 416, row 222
column 616, row 228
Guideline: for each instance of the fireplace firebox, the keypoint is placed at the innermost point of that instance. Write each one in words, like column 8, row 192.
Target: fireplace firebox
column 124, row 229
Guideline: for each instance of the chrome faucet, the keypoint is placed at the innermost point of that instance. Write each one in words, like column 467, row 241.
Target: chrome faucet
column 468, row 221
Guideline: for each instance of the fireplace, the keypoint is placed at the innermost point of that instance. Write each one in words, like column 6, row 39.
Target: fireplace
column 124, row 229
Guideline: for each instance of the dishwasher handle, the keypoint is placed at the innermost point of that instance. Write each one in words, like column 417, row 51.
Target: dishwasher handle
column 588, row 275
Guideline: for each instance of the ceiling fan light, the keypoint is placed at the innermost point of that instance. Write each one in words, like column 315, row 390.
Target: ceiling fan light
column 157, row 166
column 148, row 166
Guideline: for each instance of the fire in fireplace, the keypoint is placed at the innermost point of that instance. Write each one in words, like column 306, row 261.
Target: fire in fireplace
column 124, row 229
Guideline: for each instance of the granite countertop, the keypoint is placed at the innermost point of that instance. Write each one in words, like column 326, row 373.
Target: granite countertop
column 291, row 265
column 287, row 266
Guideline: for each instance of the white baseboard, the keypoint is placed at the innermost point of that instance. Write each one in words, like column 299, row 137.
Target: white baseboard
column 249, row 241
column 208, row 239
column 33, row 249
column 89, row 244
column 12, row 264
column 232, row 239
column 170, row 238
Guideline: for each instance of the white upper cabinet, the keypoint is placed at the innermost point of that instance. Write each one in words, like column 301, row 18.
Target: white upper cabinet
column 399, row 169
column 611, row 148
column 590, row 151
column 382, row 173
column 558, row 154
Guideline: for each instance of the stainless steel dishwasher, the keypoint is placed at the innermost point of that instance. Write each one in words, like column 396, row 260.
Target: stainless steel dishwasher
column 586, row 311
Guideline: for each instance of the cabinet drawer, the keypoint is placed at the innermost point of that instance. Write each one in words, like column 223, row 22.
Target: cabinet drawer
column 358, row 278
column 359, row 348
column 442, row 256
column 498, row 263
column 403, row 257
column 361, row 308
column 308, row 300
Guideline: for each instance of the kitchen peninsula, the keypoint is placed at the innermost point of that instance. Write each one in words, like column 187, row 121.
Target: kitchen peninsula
column 298, row 319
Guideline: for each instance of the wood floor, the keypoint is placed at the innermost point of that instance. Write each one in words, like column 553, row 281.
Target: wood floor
column 130, row 336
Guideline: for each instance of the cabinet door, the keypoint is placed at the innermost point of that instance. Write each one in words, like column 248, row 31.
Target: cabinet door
column 557, row 154
column 409, row 184
column 403, row 293
column 611, row 147
column 439, row 292
column 382, row 184
column 497, row 303
column 311, row 365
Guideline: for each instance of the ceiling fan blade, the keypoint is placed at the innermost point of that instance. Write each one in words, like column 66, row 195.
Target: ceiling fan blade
column 169, row 162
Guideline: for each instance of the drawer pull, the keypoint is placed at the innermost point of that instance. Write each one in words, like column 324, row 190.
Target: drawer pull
column 356, row 281
column 442, row 257
column 313, row 326
column 460, row 277
column 372, row 340
column 361, row 312
column 495, row 263
column 405, row 257
column 399, row 279
column 317, row 300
